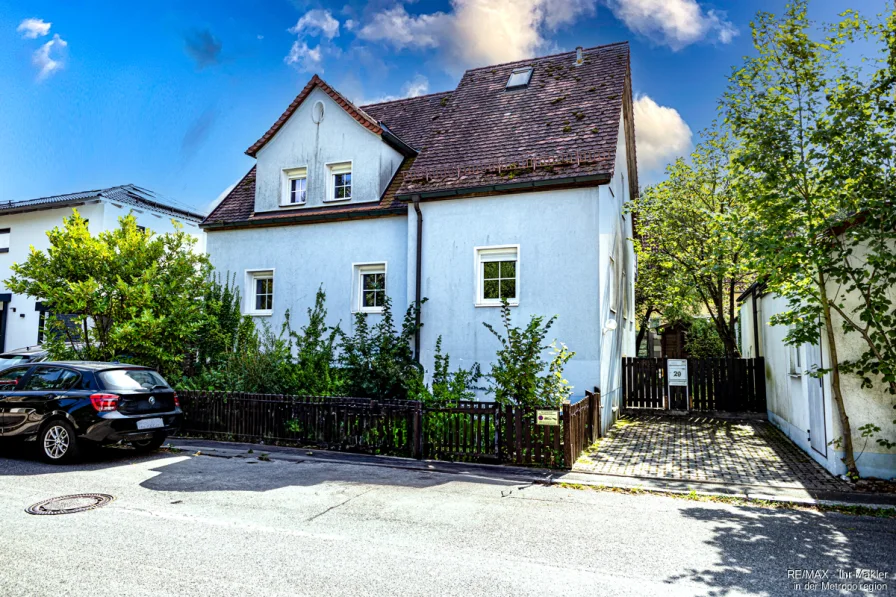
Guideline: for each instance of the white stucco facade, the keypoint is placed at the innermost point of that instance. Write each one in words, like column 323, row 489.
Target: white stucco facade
column 802, row 406
column 574, row 256
column 29, row 229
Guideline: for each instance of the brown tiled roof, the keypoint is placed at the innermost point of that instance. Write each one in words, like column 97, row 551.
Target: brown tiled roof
column 238, row 208
column 315, row 81
column 561, row 130
column 412, row 118
column 565, row 124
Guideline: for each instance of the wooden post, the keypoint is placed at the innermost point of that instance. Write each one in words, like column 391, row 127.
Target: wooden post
column 567, row 438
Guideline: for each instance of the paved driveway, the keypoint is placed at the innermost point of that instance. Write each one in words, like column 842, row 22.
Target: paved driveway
column 695, row 448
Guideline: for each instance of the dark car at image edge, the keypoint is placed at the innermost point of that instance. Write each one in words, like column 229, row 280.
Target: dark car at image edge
column 67, row 405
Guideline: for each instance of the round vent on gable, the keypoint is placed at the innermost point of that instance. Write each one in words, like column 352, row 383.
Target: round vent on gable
column 317, row 112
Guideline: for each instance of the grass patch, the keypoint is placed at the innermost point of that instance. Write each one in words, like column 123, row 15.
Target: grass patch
column 693, row 496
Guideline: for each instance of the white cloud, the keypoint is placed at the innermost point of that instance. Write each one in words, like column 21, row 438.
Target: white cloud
column 305, row 59
column 45, row 63
column 33, row 28
column 416, row 87
column 477, row 32
column 675, row 23
column 661, row 134
column 317, row 22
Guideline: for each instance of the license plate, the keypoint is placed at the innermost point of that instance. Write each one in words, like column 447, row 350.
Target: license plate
column 150, row 423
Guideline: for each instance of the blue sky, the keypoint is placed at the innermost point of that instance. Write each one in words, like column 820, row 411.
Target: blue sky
column 169, row 94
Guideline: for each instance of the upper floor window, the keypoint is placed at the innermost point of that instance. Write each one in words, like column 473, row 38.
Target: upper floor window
column 260, row 292
column 4, row 240
column 498, row 275
column 295, row 187
column 340, row 183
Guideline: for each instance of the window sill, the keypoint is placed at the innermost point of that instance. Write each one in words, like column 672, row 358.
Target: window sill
column 293, row 205
column 260, row 313
column 509, row 304
column 337, row 200
column 371, row 311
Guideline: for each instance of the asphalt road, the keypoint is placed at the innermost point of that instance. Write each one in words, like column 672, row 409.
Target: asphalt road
column 183, row 524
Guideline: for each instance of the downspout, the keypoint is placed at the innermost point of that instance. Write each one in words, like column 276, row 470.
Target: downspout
column 419, row 266
column 756, row 322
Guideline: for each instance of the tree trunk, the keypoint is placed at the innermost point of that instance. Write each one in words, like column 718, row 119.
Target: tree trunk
column 848, row 456
column 642, row 330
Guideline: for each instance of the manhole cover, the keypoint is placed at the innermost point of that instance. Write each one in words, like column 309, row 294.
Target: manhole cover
column 69, row 504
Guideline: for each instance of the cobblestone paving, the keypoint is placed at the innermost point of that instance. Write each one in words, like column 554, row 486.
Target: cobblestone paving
column 749, row 452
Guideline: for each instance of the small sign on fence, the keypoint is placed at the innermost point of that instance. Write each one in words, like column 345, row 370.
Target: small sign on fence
column 547, row 417
column 678, row 372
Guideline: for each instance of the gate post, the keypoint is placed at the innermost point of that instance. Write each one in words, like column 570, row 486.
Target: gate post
column 567, row 437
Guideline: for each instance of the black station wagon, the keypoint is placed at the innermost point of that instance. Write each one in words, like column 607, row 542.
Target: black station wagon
column 65, row 405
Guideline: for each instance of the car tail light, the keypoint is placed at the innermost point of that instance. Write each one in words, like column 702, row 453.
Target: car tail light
column 104, row 402
column 176, row 401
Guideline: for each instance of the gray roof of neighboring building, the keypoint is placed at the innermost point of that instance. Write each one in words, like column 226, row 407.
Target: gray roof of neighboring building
column 127, row 194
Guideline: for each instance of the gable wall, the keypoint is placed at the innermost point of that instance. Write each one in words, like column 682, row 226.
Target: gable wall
column 338, row 138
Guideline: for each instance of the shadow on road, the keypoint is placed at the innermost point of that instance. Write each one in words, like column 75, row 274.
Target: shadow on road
column 184, row 470
column 758, row 546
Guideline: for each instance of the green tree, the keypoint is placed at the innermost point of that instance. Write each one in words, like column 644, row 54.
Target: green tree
column 130, row 294
column 520, row 375
column 815, row 150
column 691, row 250
column 702, row 340
column 315, row 352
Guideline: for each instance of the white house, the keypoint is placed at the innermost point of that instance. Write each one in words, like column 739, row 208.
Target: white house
column 511, row 186
column 801, row 405
column 24, row 224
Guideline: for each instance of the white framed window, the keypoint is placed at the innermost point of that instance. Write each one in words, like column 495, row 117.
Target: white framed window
column 369, row 287
column 339, row 184
column 260, row 292
column 4, row 240
column 295, row 187
column 497, row 275
column 612, row 290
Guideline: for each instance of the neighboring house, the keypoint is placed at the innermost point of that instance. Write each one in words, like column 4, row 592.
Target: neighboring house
column 509, row 187
column 24, row 224
column 801, row 405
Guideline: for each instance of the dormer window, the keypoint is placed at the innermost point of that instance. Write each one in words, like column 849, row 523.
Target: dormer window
column 519, row 78
column 295, row 187
column 340, row 181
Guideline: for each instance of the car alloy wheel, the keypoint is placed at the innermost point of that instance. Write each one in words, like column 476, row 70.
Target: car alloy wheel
column 57, row 441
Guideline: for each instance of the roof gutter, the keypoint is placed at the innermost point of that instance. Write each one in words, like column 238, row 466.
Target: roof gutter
column 602, row 178
column 304, row 219
column 402, row 147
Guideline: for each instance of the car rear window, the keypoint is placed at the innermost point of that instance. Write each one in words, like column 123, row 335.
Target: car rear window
column 131, row 379
column 9, row 361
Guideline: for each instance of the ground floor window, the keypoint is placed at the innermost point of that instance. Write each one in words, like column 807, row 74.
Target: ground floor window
column 370, row 287
column 497, row 275
column 260, row 292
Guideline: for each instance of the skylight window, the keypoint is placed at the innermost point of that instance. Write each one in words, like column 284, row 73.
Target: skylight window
column 519, row 78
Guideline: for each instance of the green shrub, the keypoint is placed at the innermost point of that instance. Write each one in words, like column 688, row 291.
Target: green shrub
column 702, row 340
column 520, row 375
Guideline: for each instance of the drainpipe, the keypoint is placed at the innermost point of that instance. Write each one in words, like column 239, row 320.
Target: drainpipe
column 419, row 266
column 756, row 322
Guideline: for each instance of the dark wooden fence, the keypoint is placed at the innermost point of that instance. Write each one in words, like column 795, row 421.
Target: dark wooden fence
column 732, row 385
column 469, row 431
column 352, row 424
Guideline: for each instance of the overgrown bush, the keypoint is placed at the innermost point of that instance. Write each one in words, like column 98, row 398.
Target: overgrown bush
column 450, row 387
column 702, row 340
column 520, row 375
column 377, row 362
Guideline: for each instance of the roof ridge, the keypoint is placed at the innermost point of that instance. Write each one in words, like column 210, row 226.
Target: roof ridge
column 600, row 47
column 97, row 192
column 409, row 99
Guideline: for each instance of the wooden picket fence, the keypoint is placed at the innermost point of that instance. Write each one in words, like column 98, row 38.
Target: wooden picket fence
column 485, row 432
column 731, row 385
